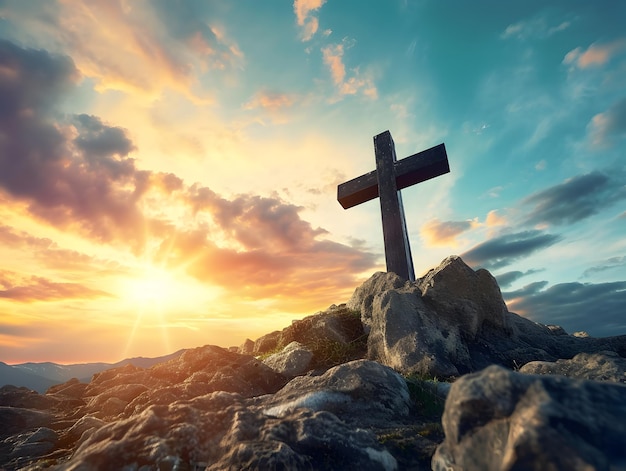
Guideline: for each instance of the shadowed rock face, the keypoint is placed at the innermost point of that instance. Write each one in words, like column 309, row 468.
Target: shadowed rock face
column 500, row 420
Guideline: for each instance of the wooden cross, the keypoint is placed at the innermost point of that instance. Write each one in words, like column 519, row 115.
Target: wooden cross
column 386, row 181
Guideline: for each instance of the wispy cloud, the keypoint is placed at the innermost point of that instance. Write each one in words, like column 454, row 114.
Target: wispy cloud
column 610, row 264
column 575, row 199
column 508, row 248
column 36, row 288
column 607, row 127
column 347, row 83
column 156, row 47
column 305, row 11
column 272, row 101
column 508, row 278
column 595, row 55
column 438, row 233
column 536, row 28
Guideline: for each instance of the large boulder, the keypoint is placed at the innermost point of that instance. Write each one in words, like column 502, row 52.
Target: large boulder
column 359, row 391
column 501, row 420
column 454, row 321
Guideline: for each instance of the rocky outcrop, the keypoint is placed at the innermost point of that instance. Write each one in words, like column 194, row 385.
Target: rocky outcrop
column 604, row 366
column 501, row 420
column 75, row 411
column 304, row 426
column 454, row 321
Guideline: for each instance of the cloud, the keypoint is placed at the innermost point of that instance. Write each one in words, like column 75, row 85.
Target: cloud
column 595, row 55
column 493, row 219
column 36, row 288
column 533, row 29
column 261, row 247
column 346, row 84
column 69, row 172
column 575, row 199
column 605, row 127
column 100, row 142
column 444, row 233
column 610, row 264
column 304, row 10
column 506, row 249
column 156, row 47
column 272, row 101
column 76, row 173
column 594, row 308
column 508, row 278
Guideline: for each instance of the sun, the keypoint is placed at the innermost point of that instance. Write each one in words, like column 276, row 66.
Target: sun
column 154, row 287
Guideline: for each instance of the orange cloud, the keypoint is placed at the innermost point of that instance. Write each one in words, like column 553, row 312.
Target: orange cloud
column 35, row 288
column 594, row 55
column 605, row 127
column 438, row 233
column 155, row 49
column 304, row 16
column 494, row 219
column 271, row 101
column 333, row 58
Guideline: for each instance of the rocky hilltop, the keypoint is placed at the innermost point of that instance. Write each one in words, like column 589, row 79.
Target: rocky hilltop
column 434, row 374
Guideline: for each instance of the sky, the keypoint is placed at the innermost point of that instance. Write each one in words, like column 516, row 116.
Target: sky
column 169, row 169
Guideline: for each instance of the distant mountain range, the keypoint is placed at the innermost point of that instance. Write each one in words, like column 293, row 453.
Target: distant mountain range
column 40, row 376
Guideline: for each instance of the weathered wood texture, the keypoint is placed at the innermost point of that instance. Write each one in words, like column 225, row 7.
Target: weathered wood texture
column 385, row 183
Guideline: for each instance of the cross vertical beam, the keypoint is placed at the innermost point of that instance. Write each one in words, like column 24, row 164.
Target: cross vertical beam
column 386, row 181
column 397, row 247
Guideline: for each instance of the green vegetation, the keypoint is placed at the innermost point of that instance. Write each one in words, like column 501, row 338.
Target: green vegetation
column 327, row 352
column 423, row 395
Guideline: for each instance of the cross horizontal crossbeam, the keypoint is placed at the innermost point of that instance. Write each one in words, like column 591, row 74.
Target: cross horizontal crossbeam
column 409, row 171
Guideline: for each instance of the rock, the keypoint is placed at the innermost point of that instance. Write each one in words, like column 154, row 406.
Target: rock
column 333, row 336
column 501, row 420
column 360, row 391
column 18, row 420
column 25, row 398
column 247, row 348
column 197, row 372
column 87, row 423
column 294, row 429
column 292, row 361
column 363, row 296
column 454, row 321
column 605, row 366
column 470, row 299
column 72, row 388
column 33, row 444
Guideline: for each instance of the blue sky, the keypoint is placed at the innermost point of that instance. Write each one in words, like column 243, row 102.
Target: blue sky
column 168, row 169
